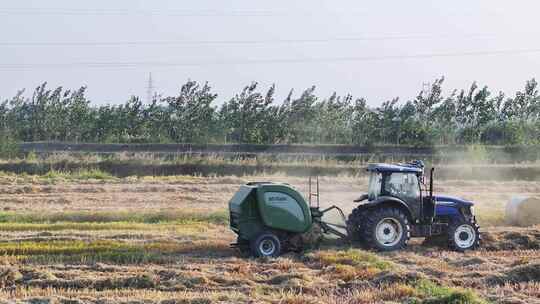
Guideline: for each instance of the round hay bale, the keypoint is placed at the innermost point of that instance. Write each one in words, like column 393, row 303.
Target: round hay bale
column 523, row 212
column 511, row 210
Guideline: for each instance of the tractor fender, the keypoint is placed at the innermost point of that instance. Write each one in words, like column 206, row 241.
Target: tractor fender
column 390, row 201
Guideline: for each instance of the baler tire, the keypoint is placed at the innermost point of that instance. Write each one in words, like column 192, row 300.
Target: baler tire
column 266, row 240
column 376, row 218
column 471, row 226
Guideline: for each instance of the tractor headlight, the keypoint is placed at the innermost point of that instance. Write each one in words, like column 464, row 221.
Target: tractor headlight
column 472, row 210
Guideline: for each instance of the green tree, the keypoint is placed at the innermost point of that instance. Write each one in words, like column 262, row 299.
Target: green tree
column 244, row 114
column 525, row 106
column 301, row 117
column 474, row 109
column 427, row 100
column 388, row 121
column 191, row 113
column 363, row 123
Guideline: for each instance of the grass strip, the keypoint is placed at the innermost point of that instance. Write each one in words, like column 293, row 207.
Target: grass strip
column 152, row 217
column 185, row 227
column 433, row 293
column 352, row 257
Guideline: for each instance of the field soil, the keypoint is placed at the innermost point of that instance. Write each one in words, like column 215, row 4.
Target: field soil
column 166, row 240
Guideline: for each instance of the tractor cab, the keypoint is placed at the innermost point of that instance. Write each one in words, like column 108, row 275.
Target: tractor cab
column 404, row 182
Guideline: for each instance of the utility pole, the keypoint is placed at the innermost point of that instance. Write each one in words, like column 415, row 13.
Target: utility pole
column 150, row 89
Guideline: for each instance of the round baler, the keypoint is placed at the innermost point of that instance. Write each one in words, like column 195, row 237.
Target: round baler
column 273, row 217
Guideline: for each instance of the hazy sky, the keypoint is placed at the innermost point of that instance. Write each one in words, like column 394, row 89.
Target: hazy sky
column 372, row 49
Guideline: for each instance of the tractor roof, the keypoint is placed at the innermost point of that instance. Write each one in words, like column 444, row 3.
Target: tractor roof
column 406, row 168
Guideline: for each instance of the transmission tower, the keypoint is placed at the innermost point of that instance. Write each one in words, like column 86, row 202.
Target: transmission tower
column 426, row 89
column 150, row 89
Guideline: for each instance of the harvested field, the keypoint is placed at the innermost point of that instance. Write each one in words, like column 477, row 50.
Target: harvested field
column 165, row 240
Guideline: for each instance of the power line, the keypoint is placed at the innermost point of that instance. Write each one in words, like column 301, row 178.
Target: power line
column 170, row 12
column 244, row 42
column 33, row 11
column 165, row 64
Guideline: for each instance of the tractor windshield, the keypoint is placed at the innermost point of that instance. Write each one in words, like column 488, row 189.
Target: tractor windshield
column 403, row 185
column 374, row 189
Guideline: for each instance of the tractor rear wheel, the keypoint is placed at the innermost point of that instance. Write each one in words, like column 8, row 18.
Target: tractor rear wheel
column 265, row 244
column 463, row 235
column 354, row 224
column 386, row 229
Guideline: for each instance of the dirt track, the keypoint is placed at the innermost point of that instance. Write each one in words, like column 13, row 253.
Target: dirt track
column 193, row 262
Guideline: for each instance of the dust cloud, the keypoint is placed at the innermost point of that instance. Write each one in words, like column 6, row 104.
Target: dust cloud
column 481, row 166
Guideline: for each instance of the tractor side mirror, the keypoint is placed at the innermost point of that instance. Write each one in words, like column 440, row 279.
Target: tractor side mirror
column 361, row 198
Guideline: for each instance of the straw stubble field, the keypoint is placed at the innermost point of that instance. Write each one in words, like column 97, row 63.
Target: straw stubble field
column 165, row 240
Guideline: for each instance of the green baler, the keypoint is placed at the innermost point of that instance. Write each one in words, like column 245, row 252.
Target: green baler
column 272, row 217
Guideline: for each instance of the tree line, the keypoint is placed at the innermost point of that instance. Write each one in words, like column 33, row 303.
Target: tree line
column 195, row 115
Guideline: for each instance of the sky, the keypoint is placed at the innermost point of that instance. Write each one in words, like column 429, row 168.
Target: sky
column 372, row 49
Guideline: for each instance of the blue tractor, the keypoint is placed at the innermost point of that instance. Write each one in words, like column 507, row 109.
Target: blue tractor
column 399, row 206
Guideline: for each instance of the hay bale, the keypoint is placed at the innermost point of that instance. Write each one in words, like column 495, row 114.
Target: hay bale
column 511, row 210
column 523, row 212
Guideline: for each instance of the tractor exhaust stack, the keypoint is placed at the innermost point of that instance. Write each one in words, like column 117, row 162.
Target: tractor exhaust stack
column 431, row 183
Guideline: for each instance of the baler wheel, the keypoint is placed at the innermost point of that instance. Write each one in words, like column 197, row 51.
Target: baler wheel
column 266, row 244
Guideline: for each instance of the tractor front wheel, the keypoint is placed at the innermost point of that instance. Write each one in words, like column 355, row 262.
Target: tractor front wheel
column 463, row 235
column 266, row 244
column 386, row 229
